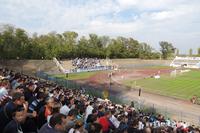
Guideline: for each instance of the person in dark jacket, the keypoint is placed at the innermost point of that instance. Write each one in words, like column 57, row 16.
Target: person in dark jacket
column 56, row 124
column 45, row 111
column 29, row 91
column 133, row 127
column 8, row 109
column 14, row 126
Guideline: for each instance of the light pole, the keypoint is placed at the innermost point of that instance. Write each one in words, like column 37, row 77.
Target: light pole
column 42, row 61
column 139, row 98
column 40, row 65
column 110, row 76
column 18, row 60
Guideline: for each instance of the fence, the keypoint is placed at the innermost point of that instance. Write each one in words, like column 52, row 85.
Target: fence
column 121, row 99
column 174, row 114
column 91, row 90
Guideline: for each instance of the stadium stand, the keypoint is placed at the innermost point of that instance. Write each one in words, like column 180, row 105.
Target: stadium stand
column 186, row 62
column 32, row 105
column 82, row 65
column 86, row 63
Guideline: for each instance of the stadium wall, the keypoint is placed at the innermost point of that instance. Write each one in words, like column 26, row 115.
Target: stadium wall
column 31, row 66
column 132, row 63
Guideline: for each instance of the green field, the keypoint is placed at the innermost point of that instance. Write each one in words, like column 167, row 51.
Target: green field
column 77, row 76
column 156, row 67
column 183, row 86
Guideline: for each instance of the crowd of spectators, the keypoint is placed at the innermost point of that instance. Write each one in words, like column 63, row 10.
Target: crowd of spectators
column 86, row 63
column 30, row 105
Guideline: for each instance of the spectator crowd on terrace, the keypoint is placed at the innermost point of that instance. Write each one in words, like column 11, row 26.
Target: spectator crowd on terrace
column 30, row 105
column 86, row 63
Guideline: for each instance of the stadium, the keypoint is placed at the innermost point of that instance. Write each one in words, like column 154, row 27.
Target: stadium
column 121, row 79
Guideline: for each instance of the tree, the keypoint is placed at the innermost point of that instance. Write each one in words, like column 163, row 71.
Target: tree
column 83, row 49
column 167, row 49
column 105, row 41
column 146, row 51
column 70, row 37
column 134, row 48
column 16, row 42
column 8, row 45
column 95, row 45
column 21, row 43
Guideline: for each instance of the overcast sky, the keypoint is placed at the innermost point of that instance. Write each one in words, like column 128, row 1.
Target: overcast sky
column 151, row 21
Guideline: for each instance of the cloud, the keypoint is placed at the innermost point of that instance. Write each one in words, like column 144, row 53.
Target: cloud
column 149, row 21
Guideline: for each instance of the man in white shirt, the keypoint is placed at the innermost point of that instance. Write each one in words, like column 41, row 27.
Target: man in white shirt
column 114, row 120
column 65, row 109
column 88, row 110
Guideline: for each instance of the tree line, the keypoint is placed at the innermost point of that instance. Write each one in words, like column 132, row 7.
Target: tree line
column 15, row 43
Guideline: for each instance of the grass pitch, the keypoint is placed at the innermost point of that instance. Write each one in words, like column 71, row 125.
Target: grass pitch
column 183, row 86
column 77, row 76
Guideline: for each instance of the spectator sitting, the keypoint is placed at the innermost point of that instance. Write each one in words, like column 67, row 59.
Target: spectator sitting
column 133, row 127
column 95, row 128
column 89, row 110
column 123, row 124
column 37, row 102
column 65, row 108
column 104, row 121
column 78, row 127
column 7, row 111
column 56, row 124
column 124, row 118
column 14, row 126
column 100, row 111
column 29, row 91
column 92, row 118
column 55, row 110
column 45, row 111
column 86, row 63
column 70, row 119
column 114, row 120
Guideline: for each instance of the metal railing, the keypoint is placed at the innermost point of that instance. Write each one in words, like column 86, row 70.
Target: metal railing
column 91, row 90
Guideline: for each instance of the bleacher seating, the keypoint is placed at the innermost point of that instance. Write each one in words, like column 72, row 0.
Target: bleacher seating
column 186, row 62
